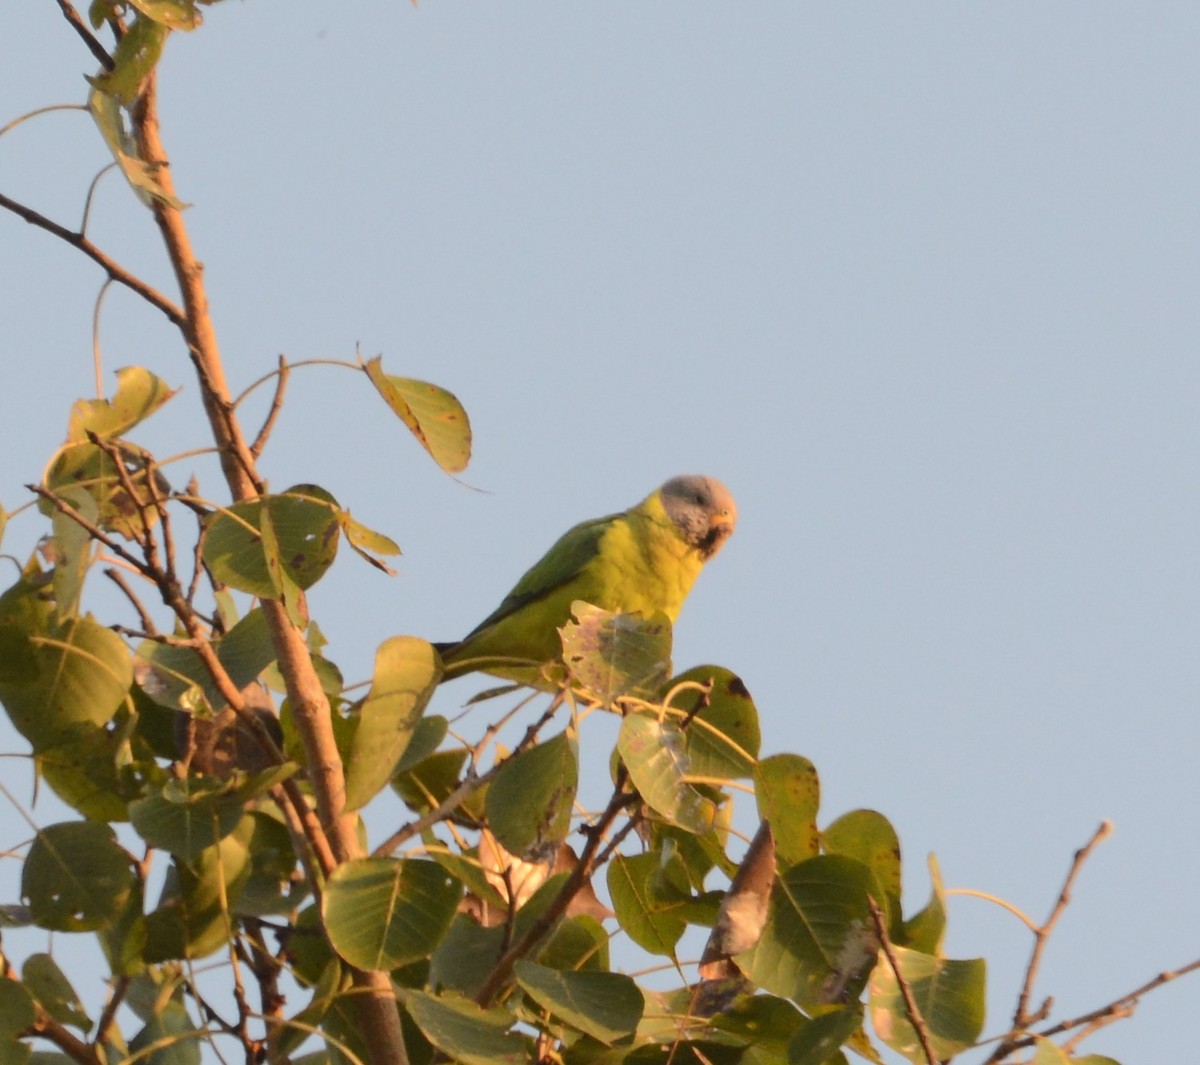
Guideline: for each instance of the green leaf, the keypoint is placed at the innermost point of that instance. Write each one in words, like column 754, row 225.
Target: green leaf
column 187, row 816
column 367, row 542
column 72, row 552
column 818, row 1040
column 139, row 394
column 819, row 943
column 76, row 877
column 305, row 523
column 606, row 1006
column 144, row 179
column 949, row 995
column 788, row 793
column 17, row 1011
column 46, row 982
column 723, row 735
column 464, row 1032
column 611, row 655
column 530, row 800
column 177, row 672
column 432, row 415
column 1048, row 1053
column 193, row 916
column 136, row 56
column 650, row 900
column 383, row 912
column 923, row 931
column 168, row 1036
column 54, row 678
column 426, row 737
column 174, row 14
column 870, row 837
column 407, row 672
column 578, row 943
column 655, row 753
column 98, row 771
column 430, row 781
column 122, row 497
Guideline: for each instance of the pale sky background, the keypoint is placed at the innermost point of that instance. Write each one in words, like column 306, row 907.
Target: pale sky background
column 917, row 281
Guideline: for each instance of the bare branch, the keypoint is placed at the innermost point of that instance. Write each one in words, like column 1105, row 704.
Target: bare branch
column 260, row 441
column 910, row 1002
column 88, row 38
column 118, row 578
column 498, row 977
column 1022, row 1018
column 110, row 266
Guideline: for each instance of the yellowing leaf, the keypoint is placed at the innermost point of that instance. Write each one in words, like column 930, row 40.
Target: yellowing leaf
column 433, row 415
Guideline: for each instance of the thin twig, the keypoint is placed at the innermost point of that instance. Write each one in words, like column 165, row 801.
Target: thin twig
column 97, row 361
column 1115, row 1010
column 91, row 195
column 110, row 1010
column 260, row 441
column 1021, row 1016
column 574, row 883
column 110, row 266
column 118, row 578
column 910, row 1002
column 80, row 27
column 467, row 788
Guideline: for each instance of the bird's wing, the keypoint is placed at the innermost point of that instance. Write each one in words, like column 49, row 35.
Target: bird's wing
column 564, row 561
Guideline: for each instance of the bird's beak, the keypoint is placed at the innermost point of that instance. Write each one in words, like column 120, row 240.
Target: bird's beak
column 719, row 530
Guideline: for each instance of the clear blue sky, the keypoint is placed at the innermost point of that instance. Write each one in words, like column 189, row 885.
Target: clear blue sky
column 917, row 281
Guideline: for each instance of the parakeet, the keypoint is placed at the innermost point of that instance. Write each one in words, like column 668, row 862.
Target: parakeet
column 641, row 561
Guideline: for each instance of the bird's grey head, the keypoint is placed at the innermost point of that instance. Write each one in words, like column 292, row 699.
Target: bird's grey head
column 702, row 509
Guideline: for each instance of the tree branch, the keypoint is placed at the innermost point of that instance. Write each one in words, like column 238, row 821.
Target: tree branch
column 313, row 715
column 910, row 1002
column 80, row 27
column 110, row 266
column 578, row 876
column 1021, row 1017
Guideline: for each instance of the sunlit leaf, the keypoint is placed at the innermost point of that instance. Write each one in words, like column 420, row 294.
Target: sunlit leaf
column 432, row 415
column 54, row 678
column 174, row 14
column 245, row 651
column 305, row 524
column 949, row 995
column 788, row 794
column 367, row 542
column 651, row 901
column 136, row 56
column 819, row 942
column 611, row 655
column 139, row 394
column 722, row 735
column 407, row 671
column 868, row 836
column 105, row 109
column 923, row 931
column 385, row 912
column 655, row 754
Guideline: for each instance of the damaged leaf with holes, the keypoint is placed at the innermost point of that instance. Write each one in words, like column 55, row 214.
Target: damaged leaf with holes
column 304, row 524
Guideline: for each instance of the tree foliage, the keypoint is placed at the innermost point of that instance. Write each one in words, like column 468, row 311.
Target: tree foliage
column 213, row 737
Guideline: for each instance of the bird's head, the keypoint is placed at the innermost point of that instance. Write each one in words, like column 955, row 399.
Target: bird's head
column 702, row 509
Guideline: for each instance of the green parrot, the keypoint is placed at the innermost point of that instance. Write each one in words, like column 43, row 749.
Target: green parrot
column 642, row 561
